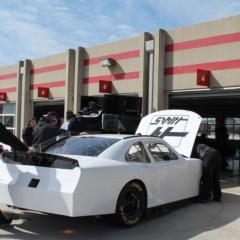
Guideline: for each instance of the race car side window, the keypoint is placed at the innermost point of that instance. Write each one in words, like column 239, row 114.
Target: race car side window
column 137, row 153
column 161, row 152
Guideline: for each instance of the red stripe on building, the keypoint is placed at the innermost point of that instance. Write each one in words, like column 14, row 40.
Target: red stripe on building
column 203, row 42
column 48, row 85
column 8, row 90
column 48, row 69
column 220, row 65
column 117, row 56
column 114, row 77
column 7, row 76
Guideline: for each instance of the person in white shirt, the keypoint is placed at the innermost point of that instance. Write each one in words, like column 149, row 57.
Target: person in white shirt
column 69, row 115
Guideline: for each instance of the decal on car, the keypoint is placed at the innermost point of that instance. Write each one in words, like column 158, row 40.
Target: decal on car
column 177, row 127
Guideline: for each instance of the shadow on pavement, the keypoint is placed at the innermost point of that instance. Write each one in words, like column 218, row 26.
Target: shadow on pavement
column 230, row 179
column 180, row 223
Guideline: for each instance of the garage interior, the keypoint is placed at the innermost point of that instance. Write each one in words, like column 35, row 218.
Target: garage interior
column 220, row 104
column 211, row 106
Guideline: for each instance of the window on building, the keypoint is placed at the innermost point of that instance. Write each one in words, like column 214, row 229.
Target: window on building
column 232, row 124
column 7, row 116
column 233, row 128
column 208, row 126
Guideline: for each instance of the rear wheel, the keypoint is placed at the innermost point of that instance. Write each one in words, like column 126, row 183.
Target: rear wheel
column 131, row 204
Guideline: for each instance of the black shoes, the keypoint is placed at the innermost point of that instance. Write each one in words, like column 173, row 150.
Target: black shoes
column 200, row 200
column 203, row 200
column 217, row 199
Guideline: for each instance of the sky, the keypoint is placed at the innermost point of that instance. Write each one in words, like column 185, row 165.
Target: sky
column 31, row 29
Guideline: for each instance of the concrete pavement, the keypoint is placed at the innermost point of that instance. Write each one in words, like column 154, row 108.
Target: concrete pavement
column 195, row 221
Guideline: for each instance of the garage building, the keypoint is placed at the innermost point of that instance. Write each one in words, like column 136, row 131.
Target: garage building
column 195, row 67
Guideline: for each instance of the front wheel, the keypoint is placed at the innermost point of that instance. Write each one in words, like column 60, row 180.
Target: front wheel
column 131, row 204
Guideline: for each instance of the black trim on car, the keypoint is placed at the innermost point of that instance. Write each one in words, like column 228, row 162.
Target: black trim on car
column 40, row 160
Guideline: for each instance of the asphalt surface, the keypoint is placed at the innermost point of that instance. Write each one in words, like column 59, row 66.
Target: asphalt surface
column 196, row 221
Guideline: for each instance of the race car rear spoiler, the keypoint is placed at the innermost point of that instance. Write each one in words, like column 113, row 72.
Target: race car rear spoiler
column 39, row 159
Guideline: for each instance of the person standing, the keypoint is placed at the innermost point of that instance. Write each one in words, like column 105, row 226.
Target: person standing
column 3, row 219
column 75, row 124
column 221, row 138
column 211, row 164
column 69, row 115
column 27, row 134
column 1, row 149
column 46, row 129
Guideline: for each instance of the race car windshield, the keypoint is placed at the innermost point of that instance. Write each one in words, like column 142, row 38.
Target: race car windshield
column 85, row 146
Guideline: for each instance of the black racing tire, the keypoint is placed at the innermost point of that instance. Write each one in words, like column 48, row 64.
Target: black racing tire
column 131, row 204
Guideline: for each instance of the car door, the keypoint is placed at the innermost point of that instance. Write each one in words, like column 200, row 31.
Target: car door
column 170, row 181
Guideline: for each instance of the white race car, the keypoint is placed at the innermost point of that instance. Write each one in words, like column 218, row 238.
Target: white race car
column 108, row 174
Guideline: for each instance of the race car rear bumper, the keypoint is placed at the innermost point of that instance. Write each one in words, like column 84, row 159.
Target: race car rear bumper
column 41, row 189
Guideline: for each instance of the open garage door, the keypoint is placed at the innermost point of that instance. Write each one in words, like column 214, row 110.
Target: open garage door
column 208, row 104
column 41, row 108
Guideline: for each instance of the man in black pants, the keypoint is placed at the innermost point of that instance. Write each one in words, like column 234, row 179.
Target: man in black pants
column 3, row 219
column 211, row 164
column 9, row 139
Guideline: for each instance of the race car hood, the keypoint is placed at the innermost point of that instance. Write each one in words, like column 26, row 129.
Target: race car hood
column 177, row 127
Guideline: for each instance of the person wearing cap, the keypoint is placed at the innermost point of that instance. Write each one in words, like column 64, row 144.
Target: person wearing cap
column 46, row 129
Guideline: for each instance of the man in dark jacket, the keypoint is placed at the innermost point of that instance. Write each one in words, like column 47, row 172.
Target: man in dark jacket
column 221, row 138
column 46, row 129
column 27, row 134
column 75, row 124
column 3, row 219
column 8, row 138
column 211, row 164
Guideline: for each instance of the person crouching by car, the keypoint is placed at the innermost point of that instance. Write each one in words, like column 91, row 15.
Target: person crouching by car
column 211, row 165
